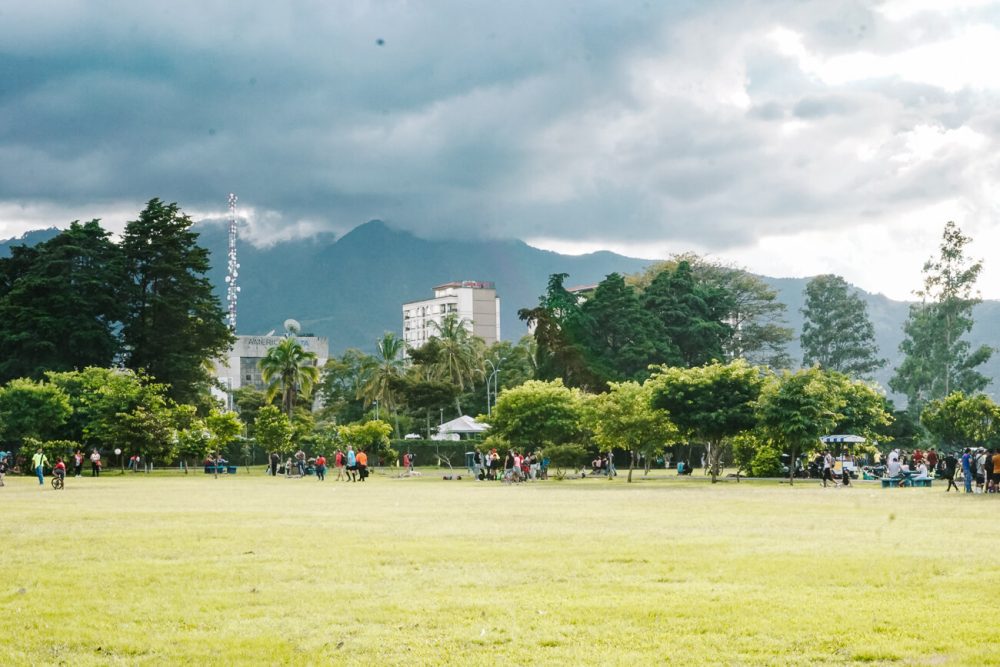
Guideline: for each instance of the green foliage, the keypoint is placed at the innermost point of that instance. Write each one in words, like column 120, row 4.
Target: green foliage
column 248, row 401
column 624, row 418
column 371, row 437
column 51, row 448
column 59, row 303
column 289, row 370
column 225, row 429
column 569, row 455
column 30, row 409
column 837, row 334
column 273, row 430
column 709, row 404
column 173, row 322
column 958, row 420
column 937, row 360
column 538, row 414
column 341, row 383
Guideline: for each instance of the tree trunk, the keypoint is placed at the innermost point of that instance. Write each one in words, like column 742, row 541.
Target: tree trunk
column 631, row 464
column 712, row 458
column 791, row 469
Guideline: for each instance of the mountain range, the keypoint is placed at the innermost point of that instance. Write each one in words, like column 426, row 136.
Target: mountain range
column 351, row 289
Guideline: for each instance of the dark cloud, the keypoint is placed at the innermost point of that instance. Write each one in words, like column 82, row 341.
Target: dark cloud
column 606, row 121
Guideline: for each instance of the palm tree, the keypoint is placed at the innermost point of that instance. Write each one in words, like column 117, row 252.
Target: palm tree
column 460, row 353
column 289, row 369
column 385, row 371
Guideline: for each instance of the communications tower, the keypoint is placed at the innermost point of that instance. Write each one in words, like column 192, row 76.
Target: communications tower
column 233, row 270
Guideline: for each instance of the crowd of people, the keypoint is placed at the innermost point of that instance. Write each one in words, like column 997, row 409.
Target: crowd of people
column 349, row 465
column 489, row 465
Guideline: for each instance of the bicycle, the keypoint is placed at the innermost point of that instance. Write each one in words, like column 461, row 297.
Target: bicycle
column 57, row 482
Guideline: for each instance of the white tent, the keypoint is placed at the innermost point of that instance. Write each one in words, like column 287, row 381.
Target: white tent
column 459, row 427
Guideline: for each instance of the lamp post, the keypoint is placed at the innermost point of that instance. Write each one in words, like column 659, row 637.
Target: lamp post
column 493, row 377
column 376, row 409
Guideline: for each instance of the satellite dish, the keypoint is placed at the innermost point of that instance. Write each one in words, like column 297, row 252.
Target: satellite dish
column 292, row 326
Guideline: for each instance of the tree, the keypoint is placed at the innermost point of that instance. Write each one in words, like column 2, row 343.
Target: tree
column 224, row 429
column 340, row 385
column 382, row 374
column 539, row 413
column 755, row 316
column 59, row 303
column 289, row 370
column 248, row 401
column 710, row 403
column 173, row 322
column 958, row 420
column 625, row 418
column 937, row 361
column 797, row 409
column 837, row 333
column 691, row 315
column 273, row 430
column 371, row 437
column 30, row 409
column 459, row 354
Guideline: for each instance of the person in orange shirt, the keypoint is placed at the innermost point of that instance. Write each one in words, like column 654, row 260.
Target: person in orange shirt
column 320, row 467
column 362, row 461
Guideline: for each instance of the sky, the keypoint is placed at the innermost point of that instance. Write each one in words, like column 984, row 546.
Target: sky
column 792, row 138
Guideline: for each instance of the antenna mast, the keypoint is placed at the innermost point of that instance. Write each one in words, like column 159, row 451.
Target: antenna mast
column 233, row 271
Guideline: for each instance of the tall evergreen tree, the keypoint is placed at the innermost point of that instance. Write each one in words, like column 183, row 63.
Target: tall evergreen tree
column 937, row 360
column 837, row 333
column 691, row 314
column 173, row 322
column 59, row 303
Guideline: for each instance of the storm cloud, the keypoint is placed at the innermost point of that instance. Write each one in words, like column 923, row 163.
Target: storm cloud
column 792, row 137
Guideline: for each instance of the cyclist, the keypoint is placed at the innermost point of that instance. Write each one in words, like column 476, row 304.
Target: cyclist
column 59, row 471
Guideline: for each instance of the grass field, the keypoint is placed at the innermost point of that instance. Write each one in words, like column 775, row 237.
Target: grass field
column 249, row 569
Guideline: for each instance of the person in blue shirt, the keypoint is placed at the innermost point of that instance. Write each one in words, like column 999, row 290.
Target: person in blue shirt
column 967, row 469
column 352, row 464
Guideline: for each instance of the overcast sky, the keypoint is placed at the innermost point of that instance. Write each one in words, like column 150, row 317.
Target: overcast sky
column 794, row 138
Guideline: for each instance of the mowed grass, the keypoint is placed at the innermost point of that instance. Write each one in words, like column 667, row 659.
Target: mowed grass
column 249, row 569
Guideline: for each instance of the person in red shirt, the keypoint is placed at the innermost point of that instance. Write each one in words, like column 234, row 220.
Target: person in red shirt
column 932, row 459
column 60, row 468
column 338, row 463
column 320, row 467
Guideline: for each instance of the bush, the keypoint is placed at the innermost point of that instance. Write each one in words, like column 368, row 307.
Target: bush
column 766, row 462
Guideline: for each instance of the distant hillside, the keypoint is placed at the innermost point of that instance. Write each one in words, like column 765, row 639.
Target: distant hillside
column 351, row 289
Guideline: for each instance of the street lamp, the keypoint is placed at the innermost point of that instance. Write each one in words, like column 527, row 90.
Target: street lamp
column 493, row 377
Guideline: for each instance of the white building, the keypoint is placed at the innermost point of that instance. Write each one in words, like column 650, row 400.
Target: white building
column 239, row 368
column 471, row 301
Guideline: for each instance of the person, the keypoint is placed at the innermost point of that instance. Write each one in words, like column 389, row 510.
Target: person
column 60, row 468
column 413, row 461
column 612, row 471
column 967, row 469
column 352, row 463
column 95, row 463
column 892, row 467
column 300, row 463
column 77, row 463
column 980, row 469
column 477, row 465
column 932, row 459
column 38, row 463
column 4, row 458
column 275, row 461
column 828, row 468
column 845, row 475
column 406, row 461
column 320, row 467
column 950, row 464
column 922, row 469
column 288, row 467
column 996, row 471
column 362, row 463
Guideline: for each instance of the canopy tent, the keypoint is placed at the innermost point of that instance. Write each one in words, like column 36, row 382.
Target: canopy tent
column 456, row 429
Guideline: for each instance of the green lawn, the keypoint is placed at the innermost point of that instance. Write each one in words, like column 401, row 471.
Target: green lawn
column 413, row 571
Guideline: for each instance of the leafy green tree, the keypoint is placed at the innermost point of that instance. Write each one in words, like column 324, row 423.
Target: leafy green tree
column 426, row 397
column 837, row 333
column 865, row 411
column 340, row 385
column 381, row 377
column 796, row 409
column 755, row 317
column 710, row 403
column 273, row 430
column 248, row 401
column 538, row 414
column 173, row 322
column 560, row 329
column 958, row 420
column 691, row 314
column 289, row 370
column 30, row 409
column 225, row 429
column 459, row 354
column 937, row 361
column 624, row 417
column 372, row 437
column 623, row 338
column 147, row 430
column 59, row 303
